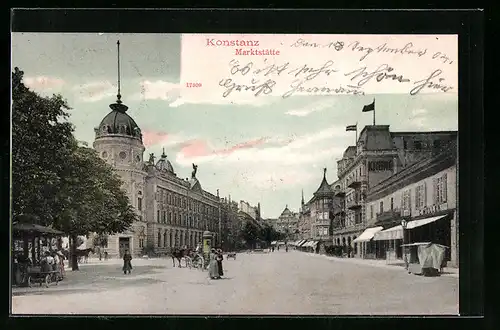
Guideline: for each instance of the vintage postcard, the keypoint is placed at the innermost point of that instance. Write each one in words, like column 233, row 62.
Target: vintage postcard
column 290, row 174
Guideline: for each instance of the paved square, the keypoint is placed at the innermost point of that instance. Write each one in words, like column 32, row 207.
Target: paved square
column 269, row 283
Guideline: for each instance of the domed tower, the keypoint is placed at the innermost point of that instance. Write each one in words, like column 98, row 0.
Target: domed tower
column 118, row 139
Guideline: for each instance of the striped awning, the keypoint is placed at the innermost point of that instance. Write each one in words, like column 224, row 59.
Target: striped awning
column 389, row 234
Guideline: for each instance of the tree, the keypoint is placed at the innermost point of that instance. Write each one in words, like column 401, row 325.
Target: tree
column 42, row 140
column 250, row 233
column 66, row 186
column 95, row 200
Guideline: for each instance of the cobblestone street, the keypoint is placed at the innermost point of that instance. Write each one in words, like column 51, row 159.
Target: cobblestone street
column 269, row 283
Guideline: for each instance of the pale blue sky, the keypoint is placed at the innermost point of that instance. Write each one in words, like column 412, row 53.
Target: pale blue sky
column 261, row 153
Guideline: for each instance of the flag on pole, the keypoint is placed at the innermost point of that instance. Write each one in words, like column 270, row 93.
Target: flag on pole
column 351, row 128
column 369, row 107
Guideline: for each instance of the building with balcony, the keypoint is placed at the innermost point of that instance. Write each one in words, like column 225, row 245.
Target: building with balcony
column 424, row 194
column 378, row 155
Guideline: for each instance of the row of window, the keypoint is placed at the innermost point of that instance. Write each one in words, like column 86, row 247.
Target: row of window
column 165, row 197
column 176, row 218
column 420, row 196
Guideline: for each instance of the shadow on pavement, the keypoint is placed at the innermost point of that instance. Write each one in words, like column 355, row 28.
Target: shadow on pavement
column 50, row 291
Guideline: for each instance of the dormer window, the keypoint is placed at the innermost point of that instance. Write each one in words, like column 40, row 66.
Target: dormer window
column 104, row 128
column 122, row 129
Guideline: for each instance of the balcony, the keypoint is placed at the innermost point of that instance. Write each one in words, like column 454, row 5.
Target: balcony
column 389, row 216
column 353, row 202
column 356, row 181
column 339, row 193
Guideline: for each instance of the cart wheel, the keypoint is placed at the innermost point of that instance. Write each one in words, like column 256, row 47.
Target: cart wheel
column 30, row 282
column 47, row 280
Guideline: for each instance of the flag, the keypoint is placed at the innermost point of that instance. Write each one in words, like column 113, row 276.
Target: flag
column 351, row 128
column 369, row 107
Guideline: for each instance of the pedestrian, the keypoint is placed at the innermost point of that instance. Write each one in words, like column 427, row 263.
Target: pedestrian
column 127, row 262
column 220, row 257
column 61, row 263
column 213, row 270
column 286, row 248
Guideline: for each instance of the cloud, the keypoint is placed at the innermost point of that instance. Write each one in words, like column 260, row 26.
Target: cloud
column 199, row 148
column 305, row 149
column 308, row 109
column 43, row 83
column 158, row 90
column 95, row 91
column 420, row 118
column 150, row 138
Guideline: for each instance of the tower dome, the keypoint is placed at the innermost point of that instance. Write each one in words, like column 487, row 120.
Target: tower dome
column 118, row 122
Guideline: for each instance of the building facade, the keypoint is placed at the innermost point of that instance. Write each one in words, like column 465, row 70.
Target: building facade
column 378, row 155
column 305, row 225
column 288, row 224
column 424, row 194
column 172, row 211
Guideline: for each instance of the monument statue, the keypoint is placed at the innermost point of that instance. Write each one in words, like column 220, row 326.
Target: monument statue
column 152, row 158
column 195, row 168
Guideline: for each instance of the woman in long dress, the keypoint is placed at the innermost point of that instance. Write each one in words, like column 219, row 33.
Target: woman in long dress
column 219, row 262
column 213, row 270
column 127, row 262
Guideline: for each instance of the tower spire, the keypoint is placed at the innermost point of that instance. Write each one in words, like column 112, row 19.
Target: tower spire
column 302, row 200
column 118, row 96
column 118, row 106
column 163, row 155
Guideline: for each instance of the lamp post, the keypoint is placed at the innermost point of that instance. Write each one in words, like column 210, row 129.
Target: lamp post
column 404, row 224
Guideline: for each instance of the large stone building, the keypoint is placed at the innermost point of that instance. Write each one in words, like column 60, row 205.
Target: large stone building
column 425, row 195
column 378, row 155
column 172, row 211
column 288, row 224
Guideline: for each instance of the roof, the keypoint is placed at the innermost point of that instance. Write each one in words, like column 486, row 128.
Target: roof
column 164, row 164
column 324, row 187
column 118, row 122
column 35, row 229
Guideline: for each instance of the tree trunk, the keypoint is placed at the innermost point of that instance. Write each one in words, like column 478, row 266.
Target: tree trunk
column 74, row 259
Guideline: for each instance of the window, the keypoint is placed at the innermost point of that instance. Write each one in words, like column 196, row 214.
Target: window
column 392, row 203
column 163, row 217
column 440, row 191
column 420, row 196
column 407, row 200
column 417, row 145
column 139, row 204
column 437, row 144
column 385, row 165
column 165, row 239
column 371, row 211
column 141, row 242
column 159, row 238
column 158, row 216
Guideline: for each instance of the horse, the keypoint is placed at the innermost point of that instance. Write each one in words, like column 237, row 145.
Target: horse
column 83, row 255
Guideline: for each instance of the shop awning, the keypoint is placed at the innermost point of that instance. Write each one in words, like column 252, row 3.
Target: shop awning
column 389, row 234
column 368, row 234
column 397, row 231
column 303, row 243
column 417, row 223
column 274, row 242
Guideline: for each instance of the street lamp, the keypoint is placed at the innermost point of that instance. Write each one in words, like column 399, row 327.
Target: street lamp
column 404, row 224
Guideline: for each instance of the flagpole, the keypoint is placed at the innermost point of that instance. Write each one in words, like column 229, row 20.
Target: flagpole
column 374, row 112
column 356, row 143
